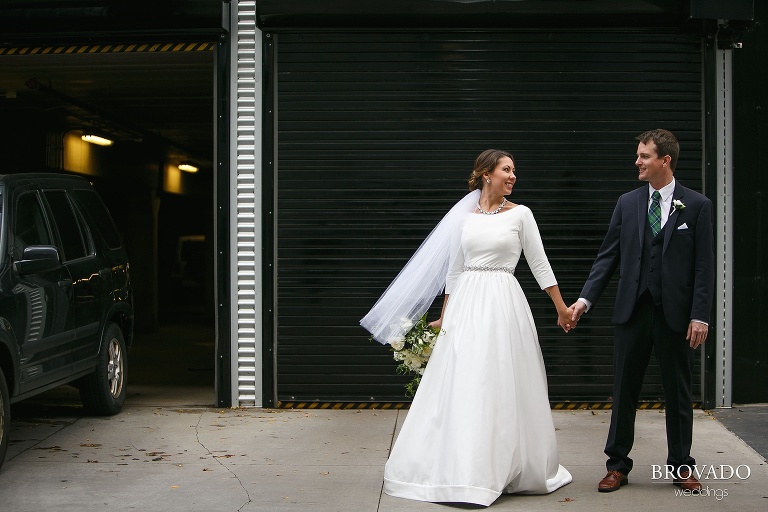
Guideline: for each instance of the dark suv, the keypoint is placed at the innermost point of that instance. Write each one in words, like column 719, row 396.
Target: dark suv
column 66, row 305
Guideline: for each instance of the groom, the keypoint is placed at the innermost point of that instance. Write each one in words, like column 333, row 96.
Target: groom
column 660, row 239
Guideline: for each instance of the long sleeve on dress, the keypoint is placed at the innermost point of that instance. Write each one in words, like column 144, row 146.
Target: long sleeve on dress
column 456, row 267
column 533, row 248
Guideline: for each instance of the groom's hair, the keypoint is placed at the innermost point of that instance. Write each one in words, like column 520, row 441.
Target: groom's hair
column 666, row 144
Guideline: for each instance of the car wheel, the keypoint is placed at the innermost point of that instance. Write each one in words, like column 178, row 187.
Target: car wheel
column 103, row 392
column 5, row 416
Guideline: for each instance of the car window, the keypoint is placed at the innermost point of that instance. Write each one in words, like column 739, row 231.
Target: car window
column 98, row 214
column 73, row 241
column 30, row 227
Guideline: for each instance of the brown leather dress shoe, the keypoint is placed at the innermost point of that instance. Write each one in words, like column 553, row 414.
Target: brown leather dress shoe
column 687, row 482
column 612, row 481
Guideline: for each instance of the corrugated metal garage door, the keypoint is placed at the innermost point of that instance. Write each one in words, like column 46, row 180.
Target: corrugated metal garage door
column 376, row 134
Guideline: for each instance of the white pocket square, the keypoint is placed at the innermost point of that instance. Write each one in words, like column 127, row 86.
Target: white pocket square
column 683, row 226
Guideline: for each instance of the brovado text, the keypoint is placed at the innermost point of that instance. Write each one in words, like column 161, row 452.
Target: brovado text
column 701, row 472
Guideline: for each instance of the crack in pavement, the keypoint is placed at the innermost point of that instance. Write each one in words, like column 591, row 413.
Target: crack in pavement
column 197, row 436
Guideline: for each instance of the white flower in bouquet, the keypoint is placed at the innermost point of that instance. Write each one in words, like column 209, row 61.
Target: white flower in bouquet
column 414, row 362
column 414, row 350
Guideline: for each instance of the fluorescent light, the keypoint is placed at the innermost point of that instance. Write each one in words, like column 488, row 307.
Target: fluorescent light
column 187, row 168
column 95, row 139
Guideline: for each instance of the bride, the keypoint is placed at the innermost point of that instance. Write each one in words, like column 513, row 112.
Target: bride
column 480, row 424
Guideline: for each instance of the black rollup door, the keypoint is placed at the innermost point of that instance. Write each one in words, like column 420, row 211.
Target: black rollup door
column 376, row 135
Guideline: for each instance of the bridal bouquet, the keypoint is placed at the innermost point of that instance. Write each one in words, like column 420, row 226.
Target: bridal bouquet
column 413, row 351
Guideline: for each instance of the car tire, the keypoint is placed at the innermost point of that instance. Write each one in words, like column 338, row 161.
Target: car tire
column 103, row 392
column 5, row 416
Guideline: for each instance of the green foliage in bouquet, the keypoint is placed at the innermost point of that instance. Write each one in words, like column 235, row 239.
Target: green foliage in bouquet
column 413, row 351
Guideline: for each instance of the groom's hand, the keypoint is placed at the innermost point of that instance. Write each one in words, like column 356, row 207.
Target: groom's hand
column 578, row 309
column 697, row 333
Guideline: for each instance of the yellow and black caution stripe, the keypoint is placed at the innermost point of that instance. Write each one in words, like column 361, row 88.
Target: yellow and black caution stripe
column 556, row 406
column 110, row 48
column 596, row 406
column 577, row 406
column 343, row 405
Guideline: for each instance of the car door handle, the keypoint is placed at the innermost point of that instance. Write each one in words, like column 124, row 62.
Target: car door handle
column 64, row 282
column 105, row 272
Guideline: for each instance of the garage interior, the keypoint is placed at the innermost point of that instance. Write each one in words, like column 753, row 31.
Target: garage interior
column 152, row 95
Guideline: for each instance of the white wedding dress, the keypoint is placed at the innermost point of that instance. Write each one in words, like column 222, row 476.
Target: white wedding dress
column 480, row 424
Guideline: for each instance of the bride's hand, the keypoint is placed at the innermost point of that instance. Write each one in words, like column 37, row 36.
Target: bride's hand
column 565, row 319
column 437, row 324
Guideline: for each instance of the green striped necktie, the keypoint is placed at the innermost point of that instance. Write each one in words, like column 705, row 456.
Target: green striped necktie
column 654, row 213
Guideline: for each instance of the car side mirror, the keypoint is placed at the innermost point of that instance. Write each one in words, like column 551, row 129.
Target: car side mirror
column 37, row 259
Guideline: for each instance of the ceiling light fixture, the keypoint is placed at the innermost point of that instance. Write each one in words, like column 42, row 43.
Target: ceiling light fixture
column 187, row 168
column 95, row 139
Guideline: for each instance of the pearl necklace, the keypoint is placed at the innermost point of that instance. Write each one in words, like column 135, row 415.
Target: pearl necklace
column 494, row 212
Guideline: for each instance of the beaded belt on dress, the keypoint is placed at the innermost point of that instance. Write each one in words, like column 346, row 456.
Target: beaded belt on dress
column 486, row 268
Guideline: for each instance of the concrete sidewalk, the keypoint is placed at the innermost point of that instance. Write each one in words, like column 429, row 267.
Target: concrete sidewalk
column 155, row 457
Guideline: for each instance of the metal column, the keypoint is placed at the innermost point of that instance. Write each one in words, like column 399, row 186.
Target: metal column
column 722, row 328
column 246, row 212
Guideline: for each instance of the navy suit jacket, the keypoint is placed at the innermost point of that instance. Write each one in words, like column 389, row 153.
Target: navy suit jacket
column 688, row 260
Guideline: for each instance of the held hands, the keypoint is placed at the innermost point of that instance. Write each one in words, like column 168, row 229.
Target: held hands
column 569, row 318
column 578, row 308
column 565, row 319
column 565, row 315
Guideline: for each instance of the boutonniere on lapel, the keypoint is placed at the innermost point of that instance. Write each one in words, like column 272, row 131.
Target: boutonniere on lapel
column 677, row 205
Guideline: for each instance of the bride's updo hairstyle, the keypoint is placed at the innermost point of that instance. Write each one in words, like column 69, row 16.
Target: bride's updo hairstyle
column 485, row 163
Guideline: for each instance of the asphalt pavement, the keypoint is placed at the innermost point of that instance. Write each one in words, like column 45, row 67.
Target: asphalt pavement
column 749, row 422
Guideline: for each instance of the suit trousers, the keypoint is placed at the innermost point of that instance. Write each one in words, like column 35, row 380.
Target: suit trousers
column 646, row 329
